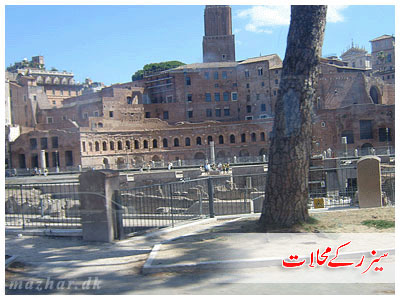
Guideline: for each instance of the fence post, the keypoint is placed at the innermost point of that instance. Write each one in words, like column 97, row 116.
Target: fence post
column 96, row 191
column 171, row 204
column 118, row 219
column 22, row 207
column 210, row 197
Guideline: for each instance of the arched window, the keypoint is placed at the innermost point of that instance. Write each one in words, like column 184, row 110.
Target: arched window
column 243, row 137
column 198, row 140
column 187, row 141
column 165, row 143
column 232, row 139
column 176, row 142
column 221, row 139
column 104, row 146
column 90, row 146
column 145, row 144
column 112, row 145
column 209, row 139
column 128, row 145
column 262, row 136
column 136, row 144
column 253, row 137
column 97, row 146
column 155, row 143
column 119, row 145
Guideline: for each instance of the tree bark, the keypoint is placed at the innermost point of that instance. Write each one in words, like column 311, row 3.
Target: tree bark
column 286, row 193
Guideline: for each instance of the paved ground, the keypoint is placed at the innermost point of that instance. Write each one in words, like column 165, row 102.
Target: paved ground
column 49, row 265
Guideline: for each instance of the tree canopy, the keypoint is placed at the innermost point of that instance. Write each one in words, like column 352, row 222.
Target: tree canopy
column 156, row 67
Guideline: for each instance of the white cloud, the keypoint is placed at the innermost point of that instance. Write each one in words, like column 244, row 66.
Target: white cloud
column 262, row 18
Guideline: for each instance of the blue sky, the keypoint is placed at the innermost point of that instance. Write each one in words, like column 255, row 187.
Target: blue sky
column 109, row 43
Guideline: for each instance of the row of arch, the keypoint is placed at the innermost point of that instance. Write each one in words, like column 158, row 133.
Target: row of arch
column 176, row 142
column 55, row 80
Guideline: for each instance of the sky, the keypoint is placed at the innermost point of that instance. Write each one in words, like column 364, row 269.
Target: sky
column 108, row 43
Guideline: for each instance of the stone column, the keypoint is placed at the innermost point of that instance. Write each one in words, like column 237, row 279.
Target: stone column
column 369, row 181
column 212, row 152
column 96, row 191
column 42, row 160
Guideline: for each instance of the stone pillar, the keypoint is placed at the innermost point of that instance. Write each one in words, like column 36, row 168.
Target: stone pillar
column 369, row 182
column 212, row 152
column 42, row 160
column 96, row 191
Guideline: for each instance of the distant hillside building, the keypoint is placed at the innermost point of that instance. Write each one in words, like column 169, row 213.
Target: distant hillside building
column 357, row 57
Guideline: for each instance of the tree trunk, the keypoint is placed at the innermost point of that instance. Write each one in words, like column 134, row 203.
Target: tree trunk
column 286, row 193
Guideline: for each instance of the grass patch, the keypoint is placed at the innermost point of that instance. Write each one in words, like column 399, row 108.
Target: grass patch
column 379, row 224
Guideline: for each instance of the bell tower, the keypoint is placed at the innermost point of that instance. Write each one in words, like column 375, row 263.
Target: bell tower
column 218, row 40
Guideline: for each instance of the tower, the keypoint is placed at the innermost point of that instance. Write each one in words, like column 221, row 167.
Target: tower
column 218, row 40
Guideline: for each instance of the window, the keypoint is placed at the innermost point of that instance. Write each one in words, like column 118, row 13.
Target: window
column 49, row 120
column 97, row 146
column 83, row 147
column 176, row 142
column 111, row 114
column 217, row 97
column 54, row 142
column 227, row 112
column 260, row 71
column 96, row 113
column 190, row 114
column 54, row 102
column 276, row 72
column 248, row 118
column 198, row 140
column 34, row 97
column 348, row 134
column 262, row 83
column 253, row 137
column 147, row 114
column 85, row 115
column 216, row 85
column 187, row 141
column 365, row 129
column 209, row 139
column 69, row 158
column 136, row 144
column 248, row 108
column 257, row 96
column 262, row 136
column 145, row 144
column 165, row 143
column 276, row 81
column 189, row 98
column 208, row 97
column 221, row 139
column 247, row 85
column 234, row 96
column 232, row 139
column 218, row 112
column 246, row 73
column 128, row 145
column 129, row 100
column 215, row 75
column 206, row 75
column 234, row 84
column 33, row 144
column 247, row 98
column 389, row 58
column 263, row 107
column 188, row 81
column 243, row 138
column 226, row 96
column 385, row 134
column 208, row 112
column 105, row 146
column 165, row 115
column 224, row 75
column 274, row 93
column 119, row 145
column 155, row 143
column 43, row 143
column 170, row 99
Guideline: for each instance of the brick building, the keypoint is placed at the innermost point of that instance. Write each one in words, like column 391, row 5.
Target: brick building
column 174, row 115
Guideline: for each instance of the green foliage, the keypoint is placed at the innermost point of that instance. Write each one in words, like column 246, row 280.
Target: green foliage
column 156, row 67
column 379, row 224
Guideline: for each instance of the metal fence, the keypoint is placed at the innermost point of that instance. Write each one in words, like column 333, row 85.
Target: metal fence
column 50, row 205
column 167, row 204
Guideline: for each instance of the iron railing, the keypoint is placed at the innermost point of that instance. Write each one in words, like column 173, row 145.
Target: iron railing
column 49, row 205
